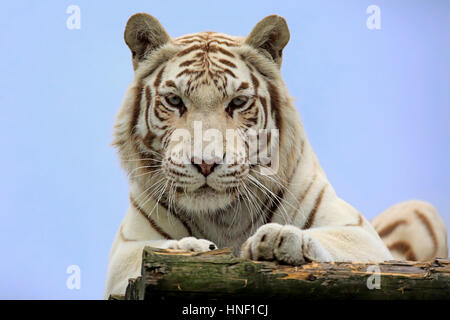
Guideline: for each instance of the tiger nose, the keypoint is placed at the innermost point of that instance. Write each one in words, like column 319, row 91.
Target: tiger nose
column 203, row 167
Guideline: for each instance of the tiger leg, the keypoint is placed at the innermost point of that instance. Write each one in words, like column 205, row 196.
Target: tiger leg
column 413, row 230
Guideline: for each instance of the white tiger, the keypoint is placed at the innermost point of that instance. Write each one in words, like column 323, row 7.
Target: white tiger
column 293, row 216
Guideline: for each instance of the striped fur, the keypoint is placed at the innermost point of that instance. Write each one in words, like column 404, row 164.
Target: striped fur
column 412, row 230
column 293, row 216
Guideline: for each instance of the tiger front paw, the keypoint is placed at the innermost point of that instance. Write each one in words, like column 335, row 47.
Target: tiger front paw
column 192, row 244
column 284, row 244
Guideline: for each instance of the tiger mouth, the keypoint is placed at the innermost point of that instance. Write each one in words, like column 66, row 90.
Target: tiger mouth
column 201, row 190
column 205, row 187
column 204, row 190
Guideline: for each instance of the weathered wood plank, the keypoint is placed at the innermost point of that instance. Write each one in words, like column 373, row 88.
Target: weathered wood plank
column 217, row 274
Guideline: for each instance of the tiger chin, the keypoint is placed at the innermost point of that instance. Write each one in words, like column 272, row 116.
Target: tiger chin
column 185, row 201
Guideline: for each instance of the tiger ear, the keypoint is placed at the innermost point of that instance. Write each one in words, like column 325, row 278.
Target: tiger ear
column 270, row 36
column 143, row 34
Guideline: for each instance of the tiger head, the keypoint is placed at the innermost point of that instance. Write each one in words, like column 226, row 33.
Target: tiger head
column 200, row 92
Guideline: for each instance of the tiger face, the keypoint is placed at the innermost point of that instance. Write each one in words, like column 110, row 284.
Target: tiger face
column 195, row 100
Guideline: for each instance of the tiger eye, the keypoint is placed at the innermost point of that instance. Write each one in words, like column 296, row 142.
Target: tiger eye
column 174, row 100
column 239, row 101
column 236, row 103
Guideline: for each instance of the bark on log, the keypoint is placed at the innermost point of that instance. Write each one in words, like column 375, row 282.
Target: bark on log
column 218, row 275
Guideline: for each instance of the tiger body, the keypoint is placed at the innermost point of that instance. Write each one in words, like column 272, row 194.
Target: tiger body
column 293, row 216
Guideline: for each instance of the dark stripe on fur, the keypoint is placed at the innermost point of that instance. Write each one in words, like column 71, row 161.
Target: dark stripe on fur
column 387, row 230
column 170, row 83
column 225, row 52
column 228, row 63
column 243, row 86
column 187, row 63
column 310, row 220
column 136, row 107
column 148, row 139
column 275, row 105
column 148, row 96
column 188, row 50
column 152, row 222
column 255, row 83
column 404, row 248
column 158, row 78
column 429, row 228
column 266, row 113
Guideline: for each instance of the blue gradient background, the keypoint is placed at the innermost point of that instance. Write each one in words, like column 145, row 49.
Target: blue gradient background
column 375, row 105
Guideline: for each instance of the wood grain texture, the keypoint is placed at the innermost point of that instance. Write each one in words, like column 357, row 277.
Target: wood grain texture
column 218, row 275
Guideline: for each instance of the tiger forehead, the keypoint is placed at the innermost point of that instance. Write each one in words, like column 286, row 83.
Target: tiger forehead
column 207, row 58
column 205, row 46
column 209, row 37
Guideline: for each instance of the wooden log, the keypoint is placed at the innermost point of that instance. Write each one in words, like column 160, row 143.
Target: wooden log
column 218, row 275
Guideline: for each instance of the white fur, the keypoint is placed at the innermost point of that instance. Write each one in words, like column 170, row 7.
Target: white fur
column 338, row 231
column 286, row 244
